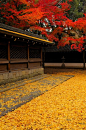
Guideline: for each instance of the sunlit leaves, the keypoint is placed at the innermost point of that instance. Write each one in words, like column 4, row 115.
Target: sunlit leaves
column 63, row 107
column 31, row 15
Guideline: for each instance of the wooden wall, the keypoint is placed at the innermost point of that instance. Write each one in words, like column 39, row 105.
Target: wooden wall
column 19, row 55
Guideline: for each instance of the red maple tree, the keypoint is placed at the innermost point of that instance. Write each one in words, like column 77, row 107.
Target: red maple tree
column 20, row 13
column 47, row 16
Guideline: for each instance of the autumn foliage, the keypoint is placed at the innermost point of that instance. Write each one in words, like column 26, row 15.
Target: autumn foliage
column 47, row 16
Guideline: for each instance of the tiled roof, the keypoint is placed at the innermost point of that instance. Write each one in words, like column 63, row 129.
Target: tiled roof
column 21, row 33
column 61, row 49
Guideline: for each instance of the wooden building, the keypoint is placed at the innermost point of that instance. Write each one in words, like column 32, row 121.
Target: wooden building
column 64, row 55
column 20, row 49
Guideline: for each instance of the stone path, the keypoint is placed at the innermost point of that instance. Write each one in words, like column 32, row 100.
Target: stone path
column 13, row 95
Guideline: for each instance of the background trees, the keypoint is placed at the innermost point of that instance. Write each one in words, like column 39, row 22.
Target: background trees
column 78, row 7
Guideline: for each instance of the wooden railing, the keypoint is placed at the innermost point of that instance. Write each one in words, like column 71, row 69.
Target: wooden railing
column 20, row 63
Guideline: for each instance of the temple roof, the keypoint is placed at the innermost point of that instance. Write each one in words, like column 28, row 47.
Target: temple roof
column 9, row 30
column 66, row 48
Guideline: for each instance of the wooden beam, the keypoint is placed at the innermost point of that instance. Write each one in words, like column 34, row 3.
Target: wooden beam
column 4, row 61
column 9, row 55
column 19, row 61
column 35, row 60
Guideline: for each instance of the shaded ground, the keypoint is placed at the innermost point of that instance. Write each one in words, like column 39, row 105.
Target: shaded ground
column 61, row 108
column 13, row 95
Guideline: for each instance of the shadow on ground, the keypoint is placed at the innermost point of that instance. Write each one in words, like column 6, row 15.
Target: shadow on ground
column 13, row 95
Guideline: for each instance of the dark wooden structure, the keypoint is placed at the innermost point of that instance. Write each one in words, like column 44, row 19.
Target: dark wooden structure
column 20, row 49
column 72, row 58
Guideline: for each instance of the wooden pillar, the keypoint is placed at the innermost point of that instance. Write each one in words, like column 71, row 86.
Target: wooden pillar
column 41, row 57
column 83, row 59
column 28, row 56
column 9, row 55
column 44, row 56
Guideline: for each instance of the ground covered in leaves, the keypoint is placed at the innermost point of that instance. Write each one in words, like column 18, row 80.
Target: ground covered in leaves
column 13, row 95
column 61, row 108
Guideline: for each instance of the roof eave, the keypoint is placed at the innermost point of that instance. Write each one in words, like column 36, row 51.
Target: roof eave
column 25, row 34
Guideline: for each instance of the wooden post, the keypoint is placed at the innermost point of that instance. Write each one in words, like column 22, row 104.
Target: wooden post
column 9, row 55
column 83, row 59
column 44, row 57
column 28, row 56
column 41, row 57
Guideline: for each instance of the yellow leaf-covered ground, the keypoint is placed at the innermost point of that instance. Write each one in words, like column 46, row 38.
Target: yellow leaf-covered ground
column 15, row 94
column 61, row 108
